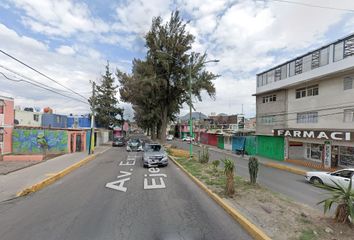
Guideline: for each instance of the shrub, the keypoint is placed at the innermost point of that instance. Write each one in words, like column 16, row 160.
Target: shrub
column 253, row 169
column 215, row 164
column 204, row 155
column 344, row 198
column 229, row 167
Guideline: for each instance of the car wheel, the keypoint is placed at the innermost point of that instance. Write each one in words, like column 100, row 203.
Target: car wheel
column 316, row 181
column 145, row 165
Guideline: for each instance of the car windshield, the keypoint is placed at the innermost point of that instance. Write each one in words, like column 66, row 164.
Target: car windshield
column 118, row 139
column 153, row 148
column 135, row 141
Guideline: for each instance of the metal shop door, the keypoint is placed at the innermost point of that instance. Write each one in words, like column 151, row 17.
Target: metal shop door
column 78, row 143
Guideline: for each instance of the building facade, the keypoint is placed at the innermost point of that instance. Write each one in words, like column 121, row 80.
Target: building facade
column 54, row 120
column 6, row 124
column 28, row 118
column 307, row 105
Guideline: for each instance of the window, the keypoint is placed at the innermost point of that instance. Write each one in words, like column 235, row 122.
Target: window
column 307, row 117
column 315, row 60
column 58, row 119
column 348, row 115
column 277, row 74
column 306, row 63
column 343, row 173
column 1, row 137
column 346, row 156
column 348, row 47
column 348, row 83
column 308, row 91
column 36, row 117
column 338, row 51
column 283, row 71
column 1, row 109
column 270, row 76
column 268, row 120
column 298, row 66
column 324, row 55
column 264, row 79
column 269, row 98
column 292, row 68
column 314, row 151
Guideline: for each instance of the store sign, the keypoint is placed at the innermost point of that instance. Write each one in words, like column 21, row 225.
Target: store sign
column 320, row 135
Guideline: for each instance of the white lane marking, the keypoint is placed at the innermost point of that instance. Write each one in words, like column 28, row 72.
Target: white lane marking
column 154, row 175
column 124, row 175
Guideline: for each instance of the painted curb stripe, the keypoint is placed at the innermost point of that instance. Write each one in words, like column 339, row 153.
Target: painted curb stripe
column 55, row 177
column 252, row 229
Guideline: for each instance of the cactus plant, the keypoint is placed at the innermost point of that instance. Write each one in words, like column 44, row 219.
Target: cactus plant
column 253, row 169
column 229, row 167
column 204, row 157
column 215, row 163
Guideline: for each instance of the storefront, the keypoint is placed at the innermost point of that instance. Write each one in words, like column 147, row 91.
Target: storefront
column 330, row 148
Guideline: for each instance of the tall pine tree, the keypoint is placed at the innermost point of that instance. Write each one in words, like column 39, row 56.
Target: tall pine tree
column 105, row 103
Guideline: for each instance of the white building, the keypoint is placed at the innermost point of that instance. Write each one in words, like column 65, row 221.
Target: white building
column 27, row 118
column 310, row 100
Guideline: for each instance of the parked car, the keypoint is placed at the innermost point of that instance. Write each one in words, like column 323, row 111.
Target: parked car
column 154, row 155
column 135, row 144
column 341, row 177
column 169, row 138
column 118, row 142
column 188, row 139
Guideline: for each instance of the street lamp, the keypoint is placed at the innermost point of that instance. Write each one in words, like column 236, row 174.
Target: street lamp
column 190, row 100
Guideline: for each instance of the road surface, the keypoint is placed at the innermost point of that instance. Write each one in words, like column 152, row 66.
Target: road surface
column 106, row 200
column 291, row 185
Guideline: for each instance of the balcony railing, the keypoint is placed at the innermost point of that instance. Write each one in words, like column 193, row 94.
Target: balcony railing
column 320, row 57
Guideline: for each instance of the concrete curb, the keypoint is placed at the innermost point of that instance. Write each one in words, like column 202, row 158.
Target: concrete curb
column 55, row 177
column 252, row 229
column 267, row 164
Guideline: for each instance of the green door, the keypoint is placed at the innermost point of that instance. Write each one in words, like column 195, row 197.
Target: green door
column 221, row 141
column 271, row 147
column 250, row 145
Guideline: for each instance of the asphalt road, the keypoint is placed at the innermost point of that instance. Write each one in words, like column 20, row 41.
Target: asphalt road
column 80, row 206
column 290, row 185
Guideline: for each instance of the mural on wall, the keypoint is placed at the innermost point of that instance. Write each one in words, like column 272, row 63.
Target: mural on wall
column 25, row 140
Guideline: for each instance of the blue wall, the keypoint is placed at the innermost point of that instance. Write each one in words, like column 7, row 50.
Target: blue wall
column 54, row 120
column 84, row 121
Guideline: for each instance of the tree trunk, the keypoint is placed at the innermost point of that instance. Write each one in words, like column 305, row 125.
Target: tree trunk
column 164, row 121
column 230, row 188
column 342, row 213
column 153, row 133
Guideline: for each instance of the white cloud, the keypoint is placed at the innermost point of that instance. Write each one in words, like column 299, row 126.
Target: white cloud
column 65, row 50
column 73, row 71
column 59, row 17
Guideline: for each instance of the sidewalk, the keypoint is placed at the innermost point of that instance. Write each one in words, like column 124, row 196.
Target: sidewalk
column 15, row 182
column 282, row 165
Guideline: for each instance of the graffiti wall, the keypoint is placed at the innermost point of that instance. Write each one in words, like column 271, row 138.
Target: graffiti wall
column 25, row 141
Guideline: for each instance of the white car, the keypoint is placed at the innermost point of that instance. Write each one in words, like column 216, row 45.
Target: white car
column 169, row 138
column 341, row 177
column 187, row 139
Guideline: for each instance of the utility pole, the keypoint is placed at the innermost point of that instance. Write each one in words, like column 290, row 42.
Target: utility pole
column 92, row 138
column 190, row 113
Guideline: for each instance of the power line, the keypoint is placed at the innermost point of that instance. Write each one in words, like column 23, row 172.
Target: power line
column 314, row 5
column 30, row 79
column 39, row 86
column 44, row 75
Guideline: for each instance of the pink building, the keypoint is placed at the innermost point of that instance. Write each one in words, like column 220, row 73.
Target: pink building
column 6, row 124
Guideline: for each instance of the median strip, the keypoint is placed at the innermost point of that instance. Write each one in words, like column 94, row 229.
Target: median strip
column 252, row 229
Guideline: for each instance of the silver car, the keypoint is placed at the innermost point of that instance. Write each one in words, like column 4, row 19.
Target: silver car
column 134, row 144
column 154, row 155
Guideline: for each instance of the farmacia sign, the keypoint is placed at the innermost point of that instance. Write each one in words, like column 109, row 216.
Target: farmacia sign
column 314, row 134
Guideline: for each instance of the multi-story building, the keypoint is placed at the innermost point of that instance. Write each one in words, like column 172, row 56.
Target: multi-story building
column 28, row 118
column 6, row 124
column 305, row 107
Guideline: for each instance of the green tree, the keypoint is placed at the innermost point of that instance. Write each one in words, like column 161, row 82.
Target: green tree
column 168, row 65
column 169, row 50
column 105, row 103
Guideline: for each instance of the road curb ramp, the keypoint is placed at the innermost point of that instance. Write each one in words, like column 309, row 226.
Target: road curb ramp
column 252, row 229
column 55, row 177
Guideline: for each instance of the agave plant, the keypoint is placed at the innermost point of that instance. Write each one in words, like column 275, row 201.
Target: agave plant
column 229, row 167
column 253, row 169
column 344, row 198
column 215, row 163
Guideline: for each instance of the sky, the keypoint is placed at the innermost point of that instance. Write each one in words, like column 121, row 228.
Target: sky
column 71, row 42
